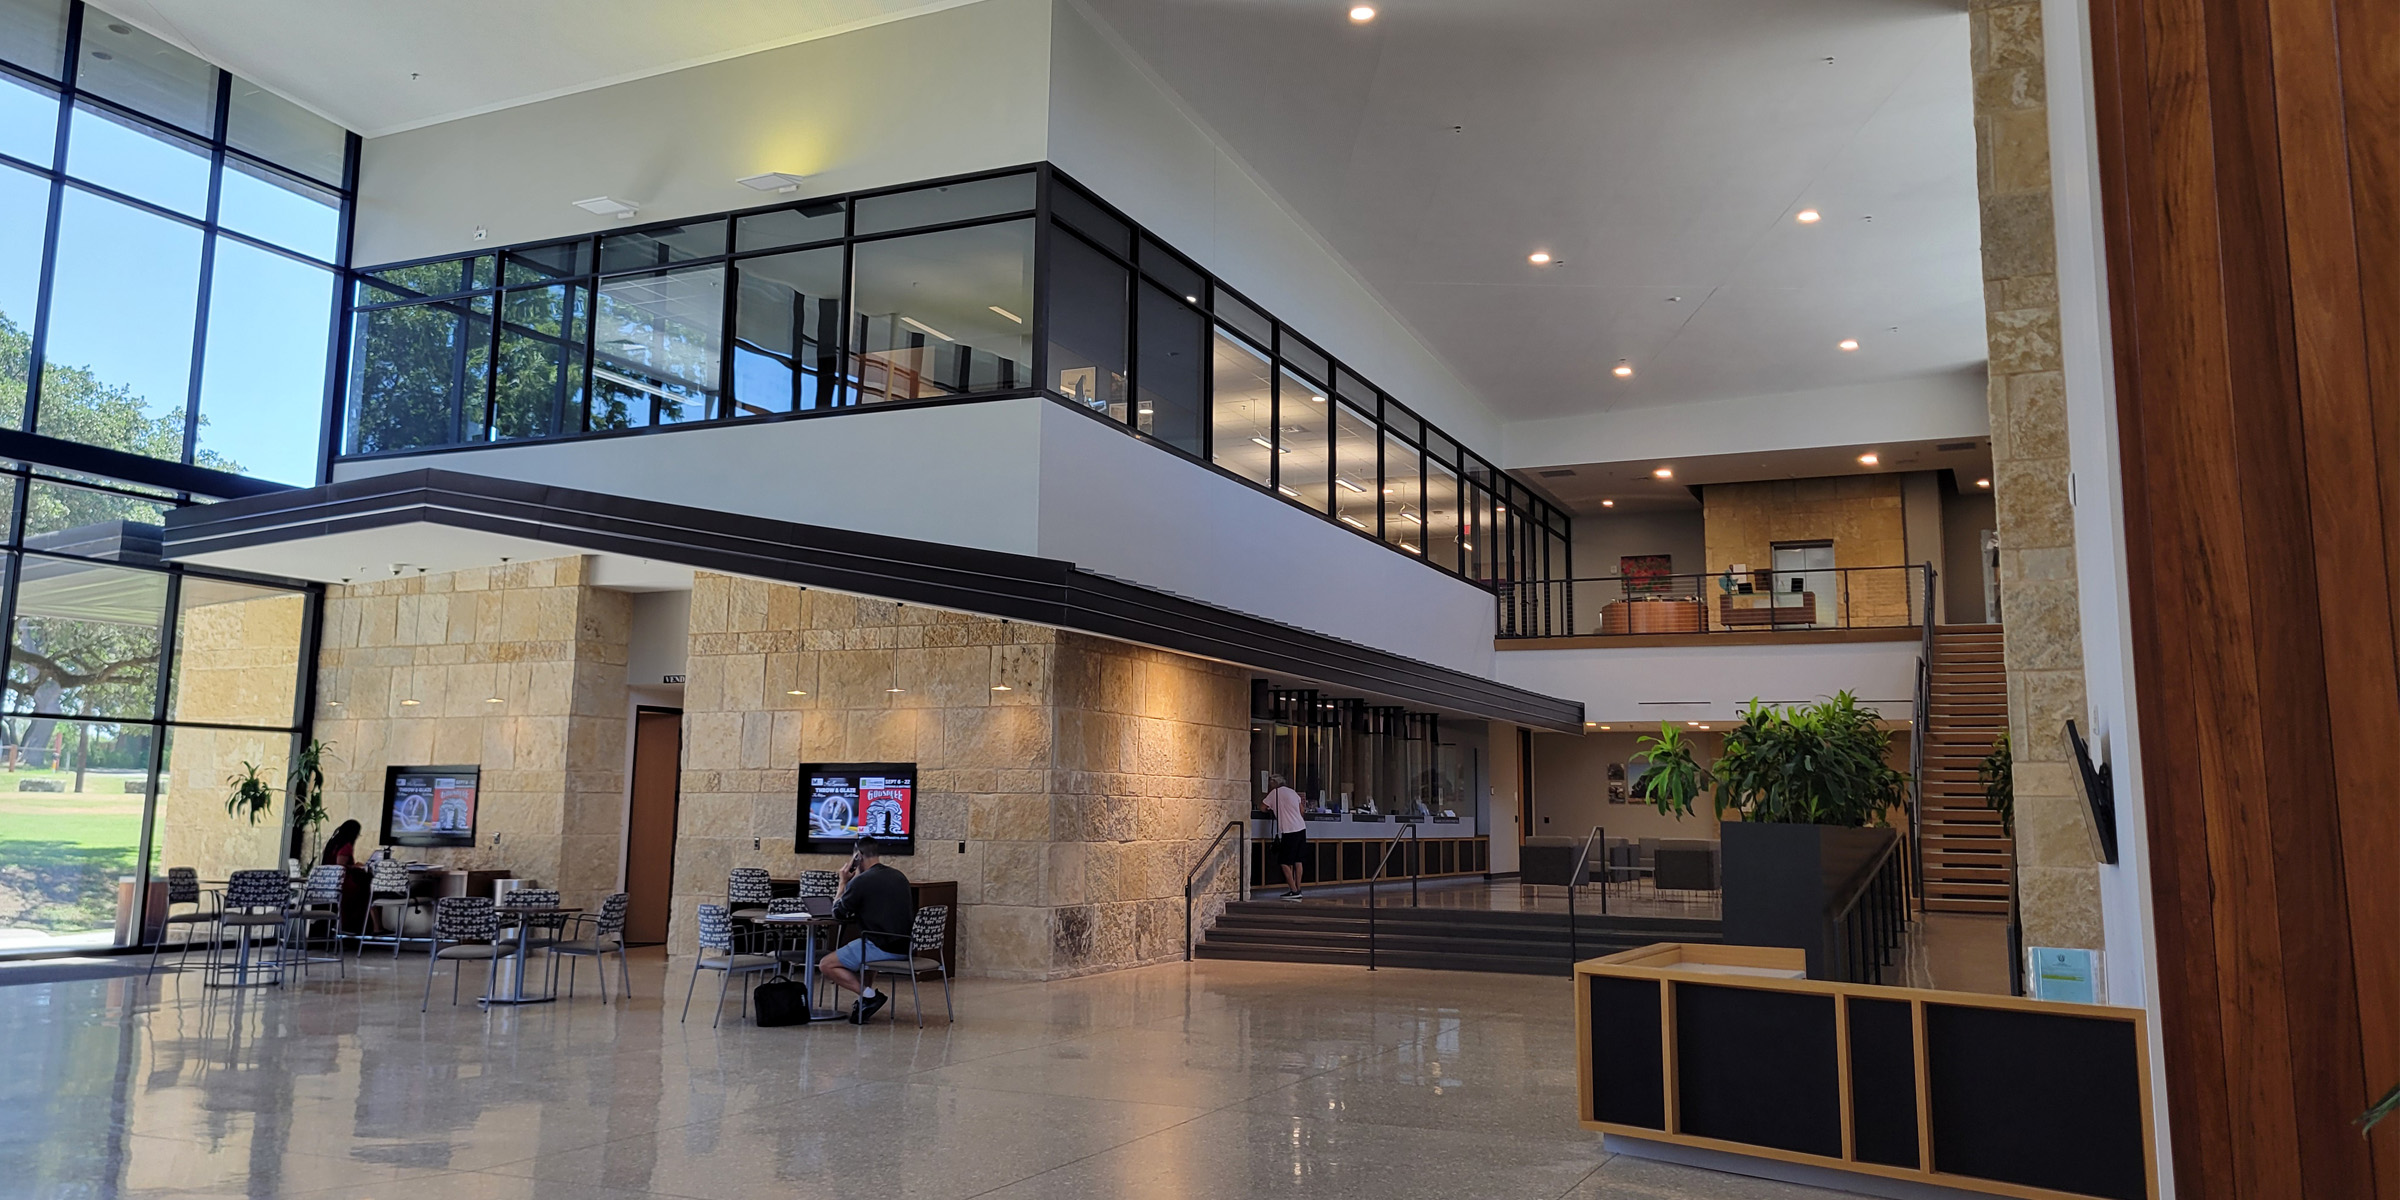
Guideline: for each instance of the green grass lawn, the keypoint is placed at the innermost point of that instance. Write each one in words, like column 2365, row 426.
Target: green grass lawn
column 61, row 855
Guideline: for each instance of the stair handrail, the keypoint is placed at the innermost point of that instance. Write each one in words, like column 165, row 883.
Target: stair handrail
column 1574, row 947
column 1241, row 840
column 1919, row 719
column 1416, row 864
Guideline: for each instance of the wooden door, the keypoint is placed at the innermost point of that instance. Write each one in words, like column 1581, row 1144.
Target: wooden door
column 650, row 829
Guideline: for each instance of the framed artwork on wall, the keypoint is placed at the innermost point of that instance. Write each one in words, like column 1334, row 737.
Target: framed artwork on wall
column 1646, row 574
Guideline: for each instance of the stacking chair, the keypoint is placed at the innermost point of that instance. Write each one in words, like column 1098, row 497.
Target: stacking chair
column 717, row 954
column 390, row 901
column 607, row 937
column 183, row 887
column 472, row 927
column 255, row 902
column 925, row 941
column 320, row 900
column 747, row 891
column 820, row 883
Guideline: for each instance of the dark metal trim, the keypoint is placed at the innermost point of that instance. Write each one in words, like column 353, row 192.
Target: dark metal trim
column 44, row 450
column 1011, row 586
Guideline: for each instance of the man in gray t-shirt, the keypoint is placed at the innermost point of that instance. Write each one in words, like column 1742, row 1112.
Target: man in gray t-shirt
column 1291, row 833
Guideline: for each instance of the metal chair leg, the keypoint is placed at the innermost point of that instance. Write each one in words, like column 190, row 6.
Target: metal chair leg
column 948, row 1012
column 624, row 971
column 915, row 1001
column 722, row 985
column 687, row 993
column 433, row 958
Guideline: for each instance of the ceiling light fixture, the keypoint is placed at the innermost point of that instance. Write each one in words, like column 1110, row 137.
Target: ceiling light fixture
column 1192, row 299
column 1287, row 491
column 1868, row 459
column 1263, row 442
column 1848, row 343
column 1346, row 483
column 1624, row 369
column 1352, row 522
column 1002, row 687
column 914, row 323
column 795, row 692
column 772, row 181
column 1663, row 473
column 1316, row 399
column 1983, row 483
column 894, row 691
column 1361, row 14
column 1004, row 312
column 1604, row 727
column 1411, row 518
column 609, row 206
column 1808, row 216
column 408, row 702
column 1540, row 258
column 494, row 700
column 1608, row 504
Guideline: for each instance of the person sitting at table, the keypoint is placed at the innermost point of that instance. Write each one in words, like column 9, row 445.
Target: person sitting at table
column 877, row 899
column 341, row 850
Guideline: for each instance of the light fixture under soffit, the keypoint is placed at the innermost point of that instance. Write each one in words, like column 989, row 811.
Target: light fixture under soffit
column 1983, row 483
column 1868, row 459
column 1848, row 344
column 1663, row 473
column 795, row 692
column 409, row 702
column 1808, row 216
column 1360, row 14
column 609, row 206
column 1624, row 369
column 772, row 181
column 1608, row 504
column 1540, row 258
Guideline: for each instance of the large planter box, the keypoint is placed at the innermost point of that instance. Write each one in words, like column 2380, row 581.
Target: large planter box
column 1779, row 879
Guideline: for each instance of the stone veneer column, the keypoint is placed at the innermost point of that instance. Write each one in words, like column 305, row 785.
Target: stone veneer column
column 1081, row 793
column 2057, row 881
column 550, row 647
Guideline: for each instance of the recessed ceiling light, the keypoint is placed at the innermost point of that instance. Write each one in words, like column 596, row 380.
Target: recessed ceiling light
column 772, row 181
column 1983, row 483
column 1700, row 726
column 1004, row 312
column 1624, row 369
column 1868, row 460
column 916, row 324
column 1608, row 504
column 1263, row 442
column 1604, row 727
column 494, row 700
column 1316, row 399
column 1349, row 485
column 1848, row 343
column 1663, row 473
column 1287, row 491
column 1002, row 687
column 411, row 702
column 1808, row 216
column 1361, row 14
column 1352, row 521
column 1193, row 299
column 893, row 690
column 795, row 692
column 1539, row 258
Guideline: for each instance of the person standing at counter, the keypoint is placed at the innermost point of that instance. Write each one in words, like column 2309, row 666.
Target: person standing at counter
column 1291, row 833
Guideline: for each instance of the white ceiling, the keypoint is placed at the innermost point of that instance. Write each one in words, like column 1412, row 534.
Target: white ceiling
column 1657, row 148
column 1635, row 487
column 379, row 67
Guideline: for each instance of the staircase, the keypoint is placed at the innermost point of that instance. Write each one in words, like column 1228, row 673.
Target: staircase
column 1442, row 939
column 1966, row 855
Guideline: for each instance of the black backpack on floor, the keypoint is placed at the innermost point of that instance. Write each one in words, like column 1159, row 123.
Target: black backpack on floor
column 781, row 1001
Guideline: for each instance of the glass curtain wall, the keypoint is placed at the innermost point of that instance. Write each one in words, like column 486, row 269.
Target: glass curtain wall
column 979, row 288
column 171, row 237
column 133, row 690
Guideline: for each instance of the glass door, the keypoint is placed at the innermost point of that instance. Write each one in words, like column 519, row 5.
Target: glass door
column 1805, row 569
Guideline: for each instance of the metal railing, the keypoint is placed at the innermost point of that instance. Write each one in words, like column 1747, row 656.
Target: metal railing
column 1864, row 922
column 1416, row 865
column 1922, row 714
column 1759, row 601
column 1241, row 857
column 1575, row 884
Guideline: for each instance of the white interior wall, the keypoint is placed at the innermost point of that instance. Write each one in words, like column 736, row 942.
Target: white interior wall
column 1711, row 683
column 1921, row 524
column 1925, row 408
column 661, row 637
column 1118, row 130
column 944, row 93
column 1603, row 538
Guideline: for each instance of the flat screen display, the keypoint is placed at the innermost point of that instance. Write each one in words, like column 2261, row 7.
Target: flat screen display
column 429, row 806
column 843, row 802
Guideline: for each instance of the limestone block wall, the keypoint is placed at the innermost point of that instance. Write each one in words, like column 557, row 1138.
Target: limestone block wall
column 1080, row 775
column 2058, row 883
column 237, row 661
column 519, row 669
column 1859, row 514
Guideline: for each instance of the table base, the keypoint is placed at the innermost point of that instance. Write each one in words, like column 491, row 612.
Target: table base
column 514, row 999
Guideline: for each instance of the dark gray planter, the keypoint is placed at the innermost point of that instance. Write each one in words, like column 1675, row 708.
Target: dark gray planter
column 1780, row 878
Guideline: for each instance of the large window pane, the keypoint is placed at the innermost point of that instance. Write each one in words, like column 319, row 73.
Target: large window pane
column 1088, row 306
column 1356, row 502
column 540, row 391
column 1475, row 535
column 820, row 221
column 788, row 332
column 28, row 119
column 1072, row 207
column 24, row 212
column 1172, row 403
column 118, row 368
column 144, row 162
column 237, row 653
column 192, row 828
column 1303, row 435
column 1232, row 311
column 537, row 264
column 61, row 518
column 33, row 34
column 72, row 830
column 1441, row 515
column 441, row 278
column 1242, row 411
column 275, row 129
column 404, row 376
column 1172, row 272
column 662, row 247
column 280, row 209
column 262, row 384
column 146, row 74
column 658, row 349
column 85, row 641
column 949, row 202
column 943, row 314
column 1403, row 508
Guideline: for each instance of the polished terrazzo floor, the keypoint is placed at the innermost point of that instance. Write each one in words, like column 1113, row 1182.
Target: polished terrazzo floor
column 1186, row 1081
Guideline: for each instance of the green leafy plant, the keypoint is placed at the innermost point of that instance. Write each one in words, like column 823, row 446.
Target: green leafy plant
column 1676, row 777
column 251, row 795
column 1997, row 773
column 304, row 785
column 1814, row 764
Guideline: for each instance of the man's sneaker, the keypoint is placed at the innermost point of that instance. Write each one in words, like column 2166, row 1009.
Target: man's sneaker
column 866, row 1008
column 1292, row 896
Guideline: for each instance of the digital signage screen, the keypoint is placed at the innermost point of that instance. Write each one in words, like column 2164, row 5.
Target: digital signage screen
column 429, row 806
column 843, row 802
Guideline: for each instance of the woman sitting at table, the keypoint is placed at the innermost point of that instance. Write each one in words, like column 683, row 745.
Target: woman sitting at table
column 341, row 850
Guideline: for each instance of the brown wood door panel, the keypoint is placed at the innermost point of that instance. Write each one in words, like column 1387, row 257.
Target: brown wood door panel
column 650, row 827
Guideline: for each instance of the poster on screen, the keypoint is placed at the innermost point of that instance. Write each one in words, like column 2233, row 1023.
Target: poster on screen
column 843, row 802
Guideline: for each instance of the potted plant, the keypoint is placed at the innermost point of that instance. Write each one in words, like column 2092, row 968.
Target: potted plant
column 251, row 795
column 1676, row 777
column 304, row 786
